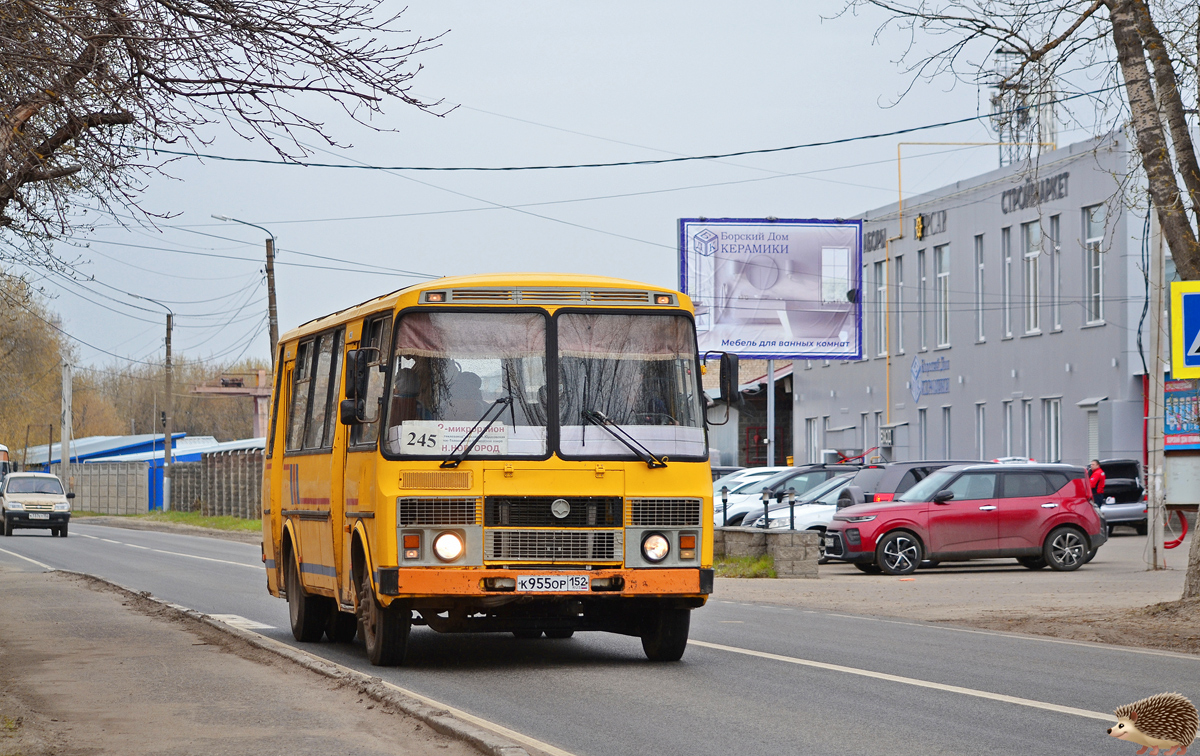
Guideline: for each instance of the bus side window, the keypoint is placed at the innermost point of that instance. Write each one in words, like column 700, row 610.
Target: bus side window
column 275, row 403
column 321, row 405
column 301, row 379
column 376, row 334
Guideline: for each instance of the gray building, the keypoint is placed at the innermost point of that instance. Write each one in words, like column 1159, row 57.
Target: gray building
column 1003, row 322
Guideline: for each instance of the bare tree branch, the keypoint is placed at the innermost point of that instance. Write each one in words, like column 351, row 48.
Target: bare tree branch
column 88, row 89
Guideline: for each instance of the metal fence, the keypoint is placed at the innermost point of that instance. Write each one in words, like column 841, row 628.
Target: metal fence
column 115, row 488
column 227, row 483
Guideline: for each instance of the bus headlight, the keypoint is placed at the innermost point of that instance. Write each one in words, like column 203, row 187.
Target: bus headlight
column 655, row 547
column 448, row 546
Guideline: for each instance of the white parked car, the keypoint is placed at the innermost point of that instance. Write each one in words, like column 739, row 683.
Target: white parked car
column 35, row 500
column 746, row 500
column 735, row 480
column 814, row 511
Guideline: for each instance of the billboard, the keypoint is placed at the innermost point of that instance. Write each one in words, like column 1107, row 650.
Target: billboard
column 1181, row 421
column 774, row 288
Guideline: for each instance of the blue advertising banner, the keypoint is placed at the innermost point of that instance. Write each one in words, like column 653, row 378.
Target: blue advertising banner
column 774, row 288
column 1181, row 425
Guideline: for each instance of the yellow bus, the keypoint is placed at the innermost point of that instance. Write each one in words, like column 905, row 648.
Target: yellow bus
column 502, row 453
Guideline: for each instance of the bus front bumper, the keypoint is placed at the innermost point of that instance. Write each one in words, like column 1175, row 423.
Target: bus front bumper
column 430, row 582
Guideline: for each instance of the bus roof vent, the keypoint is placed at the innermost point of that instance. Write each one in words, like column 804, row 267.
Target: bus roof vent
column 552, row 295
column 619, row 296
column 483, row 295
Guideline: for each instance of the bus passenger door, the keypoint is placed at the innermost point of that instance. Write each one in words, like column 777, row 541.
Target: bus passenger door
column 308, row 465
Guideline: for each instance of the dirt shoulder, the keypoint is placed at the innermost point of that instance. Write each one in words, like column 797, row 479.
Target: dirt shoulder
column 1114, row 599
column 85, row 669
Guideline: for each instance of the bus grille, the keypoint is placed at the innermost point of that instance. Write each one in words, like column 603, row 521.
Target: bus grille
column 552, row 545
column 663, row 512
column 552, row 296
column 436, row 511
column 535, row 512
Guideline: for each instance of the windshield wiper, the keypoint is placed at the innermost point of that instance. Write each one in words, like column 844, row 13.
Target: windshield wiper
column 453, row 460
column 598, row 418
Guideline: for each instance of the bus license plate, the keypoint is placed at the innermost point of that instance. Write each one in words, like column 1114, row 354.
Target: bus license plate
column 38, row 516
column 544, row 583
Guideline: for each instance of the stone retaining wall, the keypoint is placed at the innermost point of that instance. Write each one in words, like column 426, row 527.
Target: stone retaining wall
column 795, row 552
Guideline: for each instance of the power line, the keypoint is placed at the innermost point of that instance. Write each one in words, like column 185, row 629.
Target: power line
column 618, row 164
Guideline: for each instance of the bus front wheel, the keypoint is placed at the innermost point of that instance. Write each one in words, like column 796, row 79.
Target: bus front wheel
column 384, row 629
column 665, row 634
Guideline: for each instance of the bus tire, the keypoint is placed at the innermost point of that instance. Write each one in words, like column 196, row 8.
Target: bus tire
column 342, row 627
column 308, row 613
column 665, row 634
column 384, row 629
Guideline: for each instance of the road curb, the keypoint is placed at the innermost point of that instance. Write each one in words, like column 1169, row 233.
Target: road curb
column 376, row 688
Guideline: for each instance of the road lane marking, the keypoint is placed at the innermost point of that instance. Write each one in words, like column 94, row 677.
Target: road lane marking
column 910, row 681
column 999, row 634
column 174, row 553
column 27, row 559
column 244, row 623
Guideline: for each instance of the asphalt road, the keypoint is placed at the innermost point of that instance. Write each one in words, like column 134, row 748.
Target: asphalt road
column 758, row 679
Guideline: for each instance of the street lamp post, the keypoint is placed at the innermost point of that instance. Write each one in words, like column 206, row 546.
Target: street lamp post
column 274, row 320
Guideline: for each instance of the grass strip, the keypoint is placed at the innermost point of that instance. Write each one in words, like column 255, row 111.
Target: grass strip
column 745, row 567
column 188, row 518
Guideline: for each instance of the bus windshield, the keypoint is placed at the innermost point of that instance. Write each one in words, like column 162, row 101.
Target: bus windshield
column 638, row 372
column 451, row 367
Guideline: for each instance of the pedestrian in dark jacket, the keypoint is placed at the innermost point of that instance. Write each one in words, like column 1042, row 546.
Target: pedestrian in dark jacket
column 1096, row 481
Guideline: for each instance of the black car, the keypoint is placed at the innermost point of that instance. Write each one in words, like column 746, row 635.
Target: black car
column 801, row 478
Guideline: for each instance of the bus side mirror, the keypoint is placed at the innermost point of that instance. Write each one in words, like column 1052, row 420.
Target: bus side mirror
column 729, row 379
column 358, row 366
column 348, row 411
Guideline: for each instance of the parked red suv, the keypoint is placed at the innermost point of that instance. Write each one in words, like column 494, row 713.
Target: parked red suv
column 1040, row 514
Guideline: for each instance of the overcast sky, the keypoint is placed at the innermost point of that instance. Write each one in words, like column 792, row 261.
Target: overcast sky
column 536, row 83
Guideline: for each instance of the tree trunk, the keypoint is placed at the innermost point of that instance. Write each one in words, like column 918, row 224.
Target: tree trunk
column 1151, row 141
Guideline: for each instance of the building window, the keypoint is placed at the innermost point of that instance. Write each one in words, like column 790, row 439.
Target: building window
column 945, row 433
column 1027, row 419
column 1031, row 239
column 922, row 434
column 864, row 439
column 899, row 308
column 881, row 345
column 810, row 434
column 1093, row 256
column 1008, row 429
column 1055, row 240
column 878, row 428
column 980, row 431
column 865, row 293
column 1006, row 256
column 941, row 261
column 921, row 332
column 835, row 274
column 979, row 333
column 1093, row 434
column 1053, row 412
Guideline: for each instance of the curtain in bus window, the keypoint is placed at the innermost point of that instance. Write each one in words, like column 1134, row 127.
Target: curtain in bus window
column 301, row 377
column 640, row 372
column 449, row 368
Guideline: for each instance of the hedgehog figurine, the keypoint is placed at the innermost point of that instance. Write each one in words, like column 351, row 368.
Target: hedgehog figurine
column 1167, row 721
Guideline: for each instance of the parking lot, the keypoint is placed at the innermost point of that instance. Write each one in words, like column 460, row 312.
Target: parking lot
column 1092, row 603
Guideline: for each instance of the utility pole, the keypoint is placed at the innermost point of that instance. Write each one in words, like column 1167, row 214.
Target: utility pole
column 274, row 320
column 64, row 454
column 273, row 317
column 167, row 424
column 1154, row 420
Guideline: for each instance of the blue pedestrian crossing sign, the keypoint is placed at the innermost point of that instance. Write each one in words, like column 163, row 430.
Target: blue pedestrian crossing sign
column 1185, row 329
